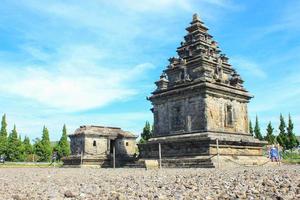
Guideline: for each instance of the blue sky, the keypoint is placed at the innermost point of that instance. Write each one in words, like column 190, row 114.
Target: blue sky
column 94, row 62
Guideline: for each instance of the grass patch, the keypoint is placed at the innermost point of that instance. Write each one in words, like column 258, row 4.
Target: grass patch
column 29, row 165
column 291, row 157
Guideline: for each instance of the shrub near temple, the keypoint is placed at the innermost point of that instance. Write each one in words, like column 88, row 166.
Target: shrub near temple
column 146, row 134
column 282, row 137
column 291, row 137
column 250, row 128
column 270, row 136
column 42, row 147
column 63, row 146
column 257, row 130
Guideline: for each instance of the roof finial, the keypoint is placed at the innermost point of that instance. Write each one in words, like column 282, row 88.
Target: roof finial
column 196, row 17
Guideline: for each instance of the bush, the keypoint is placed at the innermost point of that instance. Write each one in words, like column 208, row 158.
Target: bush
column 291, row 157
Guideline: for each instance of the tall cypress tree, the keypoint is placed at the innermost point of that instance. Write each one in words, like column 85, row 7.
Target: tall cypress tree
column 147, row 133
column 63, row 146
column 28, row 149
column 250, row 128
column 14, row 147
column 43, row 147
column 270, row 136
column 282, row 138
column 3, row 131
column 38, row 149
column 291, row 137
column 3, row 136
column 257, row 129
column 46, row 144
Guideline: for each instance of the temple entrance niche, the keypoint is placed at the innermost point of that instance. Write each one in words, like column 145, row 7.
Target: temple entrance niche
column 229, row 116
column 177, row 122
column 111, row 146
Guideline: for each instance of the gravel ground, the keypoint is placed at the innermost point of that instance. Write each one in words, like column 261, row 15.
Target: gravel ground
column 241, row 183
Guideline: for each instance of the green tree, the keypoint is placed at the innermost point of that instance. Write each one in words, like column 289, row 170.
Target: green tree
column 63, row 146
column 3, row 136
column 38, row 149
column 22, row 149
column 257, row 130
column 147, row 133
column 291, row 137
column 270, row 136
column 282, row 138
column 3, row 131
column 250, row 128
column 43, row 147
column 14, row 148
column 28, row 149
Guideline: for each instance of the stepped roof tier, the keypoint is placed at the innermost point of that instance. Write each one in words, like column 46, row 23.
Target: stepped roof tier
column 102, row 131
column 199, row 60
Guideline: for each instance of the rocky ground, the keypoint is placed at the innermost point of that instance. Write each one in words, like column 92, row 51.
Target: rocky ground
column 242, row 183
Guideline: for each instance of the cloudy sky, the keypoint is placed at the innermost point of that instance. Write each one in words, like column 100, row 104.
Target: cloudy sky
column 95, row 61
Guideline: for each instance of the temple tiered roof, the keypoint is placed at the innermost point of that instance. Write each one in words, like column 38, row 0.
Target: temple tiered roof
column 199, row 60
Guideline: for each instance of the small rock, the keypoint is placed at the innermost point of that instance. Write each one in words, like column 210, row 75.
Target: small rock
column 69, row 194
column 16, row 197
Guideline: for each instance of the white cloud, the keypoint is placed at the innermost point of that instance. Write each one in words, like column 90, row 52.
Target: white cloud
column 76, row 81
column 248, row 67
column 281, row 95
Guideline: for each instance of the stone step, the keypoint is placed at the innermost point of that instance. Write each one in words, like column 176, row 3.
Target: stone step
column 185, row 161
column 189, row 166
column 204, row 162
column 132, row 164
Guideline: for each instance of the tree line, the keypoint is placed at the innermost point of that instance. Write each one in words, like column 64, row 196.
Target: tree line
column 286, row 137
column 13, row 148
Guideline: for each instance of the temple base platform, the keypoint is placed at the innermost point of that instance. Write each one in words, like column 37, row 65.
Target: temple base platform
column 205, row 150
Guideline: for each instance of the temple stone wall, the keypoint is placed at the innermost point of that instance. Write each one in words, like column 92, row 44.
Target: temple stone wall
column 226, row 115
column 97, row 145
column 179, row 115
column 76, row 145
column 237, row 150
column 100, row 147
column 161, row 118
column 126, row 146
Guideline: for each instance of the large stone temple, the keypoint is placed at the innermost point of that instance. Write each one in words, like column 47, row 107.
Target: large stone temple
column 200, row 101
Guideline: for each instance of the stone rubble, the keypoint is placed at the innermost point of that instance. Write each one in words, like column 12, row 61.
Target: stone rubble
column 240, row 183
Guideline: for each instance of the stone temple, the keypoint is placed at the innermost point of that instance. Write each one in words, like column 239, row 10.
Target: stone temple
column 200, row 101
column 97, row 145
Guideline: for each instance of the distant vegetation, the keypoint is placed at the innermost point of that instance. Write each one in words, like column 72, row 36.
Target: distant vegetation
column 286, row 137
column 13, row 148
column 147, row 133
column 292, row 157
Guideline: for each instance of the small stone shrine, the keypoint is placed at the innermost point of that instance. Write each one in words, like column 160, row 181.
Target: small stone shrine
column 200, row 109
column 96, row 145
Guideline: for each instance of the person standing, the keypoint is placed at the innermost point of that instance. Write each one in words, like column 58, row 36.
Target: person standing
column 274, row 155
